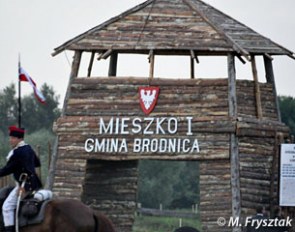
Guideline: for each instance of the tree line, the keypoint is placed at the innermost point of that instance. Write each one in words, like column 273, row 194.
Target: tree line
column 172, row 184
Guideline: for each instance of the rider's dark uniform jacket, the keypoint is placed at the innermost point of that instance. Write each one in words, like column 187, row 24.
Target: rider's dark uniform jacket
column 23, row 160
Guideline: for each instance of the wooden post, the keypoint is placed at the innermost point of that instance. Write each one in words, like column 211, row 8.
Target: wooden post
column 192, row 64
column 232, row 86
column 113, row 64
column 90, row 64
column 192, row 68
column 234, row 151
column 271, row 79
column 74, row 74
column 152, row 63
column 274, row 191
column 257, row 88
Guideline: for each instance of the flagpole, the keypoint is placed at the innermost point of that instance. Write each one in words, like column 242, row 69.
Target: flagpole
column 19, row 95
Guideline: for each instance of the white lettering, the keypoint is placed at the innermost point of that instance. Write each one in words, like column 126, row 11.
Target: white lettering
column 145, row 145
column 99, row 147
column 159, row 127
column 185, row 146
column 136, row 126
column 189, row 126
column 123, row 147
column 195, row 146
column 117, row 125
column 146, row 130
column 163, row 145
column 106, row 145
column 105, row 130
column 170, row 125
column 136, row 145
column 172, row 145
column 154, row 145
column 234, row 222
column 88, row 146
column 124, row 126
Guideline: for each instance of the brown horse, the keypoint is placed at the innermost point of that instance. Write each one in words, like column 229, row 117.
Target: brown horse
column 71, row 216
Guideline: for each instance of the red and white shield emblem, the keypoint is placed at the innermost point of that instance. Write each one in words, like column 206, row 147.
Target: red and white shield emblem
column 148, row 97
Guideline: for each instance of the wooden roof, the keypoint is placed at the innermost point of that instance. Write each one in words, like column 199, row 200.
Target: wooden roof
column 174, row 27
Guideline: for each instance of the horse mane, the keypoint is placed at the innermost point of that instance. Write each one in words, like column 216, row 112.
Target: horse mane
column 102, row 223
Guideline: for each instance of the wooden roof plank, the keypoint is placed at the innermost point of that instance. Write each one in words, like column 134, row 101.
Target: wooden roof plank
column 158, row 24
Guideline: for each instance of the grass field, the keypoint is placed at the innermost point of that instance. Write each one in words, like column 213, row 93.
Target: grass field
column 162, row 224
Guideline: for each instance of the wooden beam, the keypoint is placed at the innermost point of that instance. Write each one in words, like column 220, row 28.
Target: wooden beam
column 271, row 79
column 241, row 59
column 90, row 64
column 113, row 64
column 232, row 86
column 234, row 150
column 273, row 194
column 105, row 55
column 268, row 56
column 269, row 74
column 257, row 88
column 192, row 68
column 234, row 44
column 152, row 63
column 73, row 75
column 193, row 56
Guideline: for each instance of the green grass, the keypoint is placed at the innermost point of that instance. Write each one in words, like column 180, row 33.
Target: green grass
column 162, row 224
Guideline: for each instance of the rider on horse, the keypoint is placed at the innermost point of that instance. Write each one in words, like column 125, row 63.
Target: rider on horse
column 21, row 159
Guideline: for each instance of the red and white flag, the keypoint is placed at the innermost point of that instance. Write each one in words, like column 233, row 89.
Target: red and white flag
column 24, row 76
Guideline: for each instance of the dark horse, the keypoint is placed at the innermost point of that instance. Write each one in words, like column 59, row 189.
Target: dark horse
column 65, row 215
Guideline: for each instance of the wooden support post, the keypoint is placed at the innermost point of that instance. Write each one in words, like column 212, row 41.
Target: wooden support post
column 113, row 64
column 234, row 151
column 232, row 86
column 257, row 88
column 90, row 64
column 73, row 75
column 274, row 191
column 192, row 68
column 271, row 79
column 192, row 64
column 152, row 63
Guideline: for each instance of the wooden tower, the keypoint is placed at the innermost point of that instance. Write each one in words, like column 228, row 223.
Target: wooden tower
column 228, row 124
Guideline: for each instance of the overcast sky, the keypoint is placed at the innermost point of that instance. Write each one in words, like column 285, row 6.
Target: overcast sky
column 34, row 28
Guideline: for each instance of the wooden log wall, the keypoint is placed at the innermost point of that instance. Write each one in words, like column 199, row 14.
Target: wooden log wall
column 246, row 100
column 93, row 99
column 215, row 194
column 256, row 156
column 206, row 101
column 110, row 187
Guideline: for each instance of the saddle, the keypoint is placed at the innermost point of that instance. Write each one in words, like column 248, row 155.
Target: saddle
column 32, row 210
